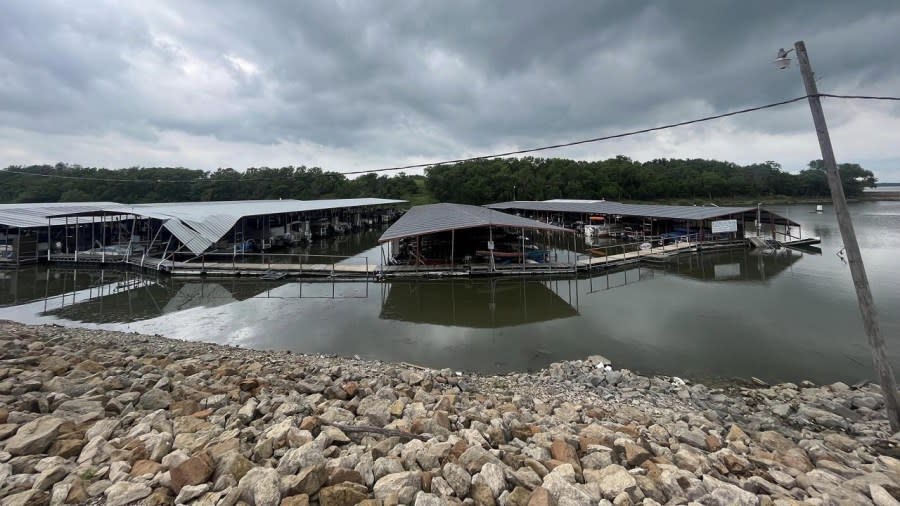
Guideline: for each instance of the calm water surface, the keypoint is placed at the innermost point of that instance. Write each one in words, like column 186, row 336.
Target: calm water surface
column 785, row 316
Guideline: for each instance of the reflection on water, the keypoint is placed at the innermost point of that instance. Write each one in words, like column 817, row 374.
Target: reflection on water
column 477, row 304
column 784, row 315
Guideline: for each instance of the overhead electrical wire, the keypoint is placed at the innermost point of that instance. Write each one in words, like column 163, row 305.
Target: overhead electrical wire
column 480, row 157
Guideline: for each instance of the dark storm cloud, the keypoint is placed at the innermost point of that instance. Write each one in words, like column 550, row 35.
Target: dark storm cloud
column 422, row 78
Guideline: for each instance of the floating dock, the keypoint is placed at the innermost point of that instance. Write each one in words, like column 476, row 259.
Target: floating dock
column 352, row 268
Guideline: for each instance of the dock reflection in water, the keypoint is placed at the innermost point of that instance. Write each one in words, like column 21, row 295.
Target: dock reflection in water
column 478, row 304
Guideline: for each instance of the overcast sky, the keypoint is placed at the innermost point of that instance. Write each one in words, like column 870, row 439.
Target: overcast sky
column 350, row 85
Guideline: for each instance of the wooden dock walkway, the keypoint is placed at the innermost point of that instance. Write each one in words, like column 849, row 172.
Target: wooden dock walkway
column 657, row 252
column 372, row 270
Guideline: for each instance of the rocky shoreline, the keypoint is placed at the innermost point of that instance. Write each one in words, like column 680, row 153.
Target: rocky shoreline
column 96, row 417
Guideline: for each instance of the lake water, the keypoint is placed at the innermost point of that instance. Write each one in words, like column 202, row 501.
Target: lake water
column 786, row 316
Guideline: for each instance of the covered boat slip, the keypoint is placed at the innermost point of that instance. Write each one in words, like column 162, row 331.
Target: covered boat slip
column 640, row 222
column 28, row 233
column 220, row 235
column 458, row 238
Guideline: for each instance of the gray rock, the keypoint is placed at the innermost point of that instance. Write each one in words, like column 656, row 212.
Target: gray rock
column 190, row 492
column 475, row 457
column 103, row 428
column 27, row 498
column 260, row 487
column 309, row 387
column 123, row 492
column 59, row 493
column 90, row 450
column 98, row 487
column 391, row 483
column 612, row 479
column 562, row 486
column 440, row 487
column 726, row 494
column 881, row 497
column 119, row 470
column 155, row 399
column 307, row 455
column 80, row 411
column 458, row 478
column 376, row 409
column 308, row 481
column 214, row 402
column 247, row 411
column 35, row 436
column 49, row 477
column 385, row 466
column 335, row 414
column 822, row 417
column 158, row 445
column 425, row 499
column 492, row 476
column 20, row 481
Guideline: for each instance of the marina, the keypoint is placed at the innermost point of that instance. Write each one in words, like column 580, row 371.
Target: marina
column 710, row 313
column 256, row 238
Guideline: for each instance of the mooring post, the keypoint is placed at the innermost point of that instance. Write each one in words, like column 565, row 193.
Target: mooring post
column 851, row 246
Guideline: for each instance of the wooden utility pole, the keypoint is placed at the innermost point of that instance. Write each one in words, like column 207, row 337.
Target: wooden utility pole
column 851, row 246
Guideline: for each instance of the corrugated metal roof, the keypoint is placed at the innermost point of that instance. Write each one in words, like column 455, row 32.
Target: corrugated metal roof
column 647, row 210
column 198, row 225
column 37, row 214
column 429, row 219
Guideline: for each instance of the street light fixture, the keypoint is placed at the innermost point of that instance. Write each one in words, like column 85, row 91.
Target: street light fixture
column 848, row 235
column 782, row 61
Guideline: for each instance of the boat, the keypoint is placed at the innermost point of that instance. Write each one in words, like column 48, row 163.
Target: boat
column 596, row 231
column 532, row 255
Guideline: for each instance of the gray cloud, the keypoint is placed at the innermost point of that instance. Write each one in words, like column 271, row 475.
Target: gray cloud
column 363, row 81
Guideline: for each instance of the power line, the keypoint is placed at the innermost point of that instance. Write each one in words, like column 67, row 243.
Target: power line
column 482, row 157
column 858, row 97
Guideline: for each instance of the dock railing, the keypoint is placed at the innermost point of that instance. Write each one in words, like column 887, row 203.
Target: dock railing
column 648, row 246
column 289, row 263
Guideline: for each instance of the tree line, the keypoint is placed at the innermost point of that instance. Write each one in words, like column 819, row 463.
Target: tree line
column 475, row 182
column 624, row 179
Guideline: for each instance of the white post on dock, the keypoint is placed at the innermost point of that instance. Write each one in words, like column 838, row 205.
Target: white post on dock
column 452, row 250
column 131, row 239
column 523, row 250
column 491, row 245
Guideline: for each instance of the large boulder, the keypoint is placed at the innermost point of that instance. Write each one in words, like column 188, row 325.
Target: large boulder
column 193, row 471
column 123, row 492
column 392, row 483
column 260, row 487
column 35, row 436
column 155, row 399
column 343, row 494
column 377, row 409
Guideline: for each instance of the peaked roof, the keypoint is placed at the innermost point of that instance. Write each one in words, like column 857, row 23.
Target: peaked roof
column 429, row 219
